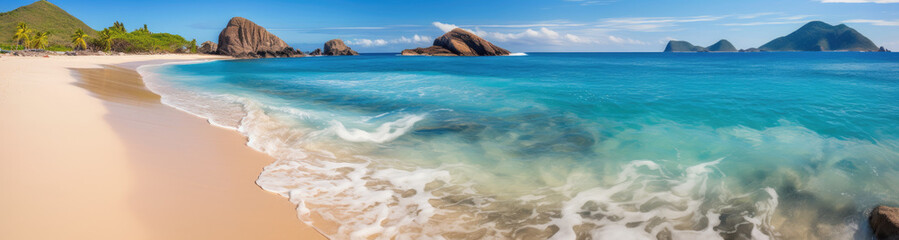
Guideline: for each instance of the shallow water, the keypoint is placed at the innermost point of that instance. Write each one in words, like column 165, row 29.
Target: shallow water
column 565, row 145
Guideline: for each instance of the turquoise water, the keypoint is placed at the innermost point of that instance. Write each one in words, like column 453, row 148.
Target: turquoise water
column 565, row 145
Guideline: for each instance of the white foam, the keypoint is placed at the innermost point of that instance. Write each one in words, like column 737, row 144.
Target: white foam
column 517, row 54
column 384, row 133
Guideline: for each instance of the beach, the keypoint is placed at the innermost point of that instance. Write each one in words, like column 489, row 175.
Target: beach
column 89, row 153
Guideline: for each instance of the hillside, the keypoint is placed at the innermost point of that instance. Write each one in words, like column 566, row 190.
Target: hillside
column 42, row 16
column 820, row 36
column 722, row 46
column 682, row 46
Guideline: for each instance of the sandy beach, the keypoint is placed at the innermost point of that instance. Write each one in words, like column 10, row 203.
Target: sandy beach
column 102, row 158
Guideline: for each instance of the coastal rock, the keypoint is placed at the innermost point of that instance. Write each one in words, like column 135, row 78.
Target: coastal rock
column 243, row 38
column 459, row 42
column 885, row 222
column 722, row 46
column 883, row 49
column 683, row 46
column 316, row 52
column 208, row 47
column 820, row 36
column 336, row 47
column 750, row 50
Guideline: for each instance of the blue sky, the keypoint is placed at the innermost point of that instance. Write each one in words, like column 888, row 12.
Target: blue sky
column 520, row 26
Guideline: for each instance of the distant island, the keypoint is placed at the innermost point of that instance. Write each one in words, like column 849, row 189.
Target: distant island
column 684, row 46
column 813, row 36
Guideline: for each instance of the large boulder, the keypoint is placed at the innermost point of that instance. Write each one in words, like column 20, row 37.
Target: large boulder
column 459, row 42
column 208, row 47
column 336, row 47
column 244, row 39
column 885, row 222
column 316, row 52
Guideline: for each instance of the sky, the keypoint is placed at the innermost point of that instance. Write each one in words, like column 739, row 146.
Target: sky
column 517, row 25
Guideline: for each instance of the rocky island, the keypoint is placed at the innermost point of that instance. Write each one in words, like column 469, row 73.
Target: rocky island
column 242, row 38
column 684, row 46
column 336, row 47
column 813, row 36
column 820, row 36
column 458, row 42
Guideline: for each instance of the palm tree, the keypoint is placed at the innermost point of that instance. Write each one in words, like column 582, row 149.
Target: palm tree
column 120, row 27
column 40, row 40
column 79, row 39
column 23, row 34
column 106, row 37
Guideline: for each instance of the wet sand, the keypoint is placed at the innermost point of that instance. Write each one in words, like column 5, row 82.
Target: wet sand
column 87, row 152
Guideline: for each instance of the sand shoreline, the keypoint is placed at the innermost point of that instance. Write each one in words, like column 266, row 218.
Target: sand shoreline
column 100, row 159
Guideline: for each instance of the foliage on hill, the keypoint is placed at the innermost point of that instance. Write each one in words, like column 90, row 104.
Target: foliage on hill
column 42, row 16
column 820, row 36
column 115, row 38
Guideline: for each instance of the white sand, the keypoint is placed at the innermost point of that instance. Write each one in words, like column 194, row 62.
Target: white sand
column 73, row 166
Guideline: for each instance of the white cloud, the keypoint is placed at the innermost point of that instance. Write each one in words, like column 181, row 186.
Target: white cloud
column 797, row 17
column 754, row 15
column 874, row 22
column 364, row 42
column 592, row 2
column 445, row 27
column 355, row 28
column 540, row 36
column 652, row 24
column 859, row 1
column 762, row 23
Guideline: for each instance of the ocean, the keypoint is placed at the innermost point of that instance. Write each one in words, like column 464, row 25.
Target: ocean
column 793, row 145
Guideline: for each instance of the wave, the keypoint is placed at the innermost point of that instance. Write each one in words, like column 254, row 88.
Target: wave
column 517, row 54
column 385, row 133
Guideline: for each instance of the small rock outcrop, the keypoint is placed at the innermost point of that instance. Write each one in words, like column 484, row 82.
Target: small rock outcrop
column 883, row 49
column 459, row 42
column 208, row 47
column 316, row 52
column 336, row 47
column 885, row 222
column 722, row 46
column 244, row 39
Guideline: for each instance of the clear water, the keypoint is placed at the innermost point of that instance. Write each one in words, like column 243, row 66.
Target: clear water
column 565, row 145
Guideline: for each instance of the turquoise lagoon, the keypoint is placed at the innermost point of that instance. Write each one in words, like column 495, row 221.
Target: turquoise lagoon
column 564, row 145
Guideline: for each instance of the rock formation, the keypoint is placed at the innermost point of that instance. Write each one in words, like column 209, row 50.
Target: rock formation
column 683, row 46
column 316, row 52
column 459, row 42
column 336, row 47
column 208, row 47
column 244, row 39
column 883, row 49
column 722, row 46
column 885, row 222
column 820, row 36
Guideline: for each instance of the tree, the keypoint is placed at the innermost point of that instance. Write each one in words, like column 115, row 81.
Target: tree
column 79, row 39
column 40, row 40
column 106, row 38
column 144, row 29
column 193, row 46
column 119, row 27
column 23, row 34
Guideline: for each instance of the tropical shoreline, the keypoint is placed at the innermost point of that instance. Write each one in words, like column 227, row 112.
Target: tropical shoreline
column 136, row 168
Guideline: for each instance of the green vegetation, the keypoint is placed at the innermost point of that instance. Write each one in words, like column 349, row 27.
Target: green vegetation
column 41, row 16
column 79, row 39
column 43, row 25
column 820, row 36
column 116, row 38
